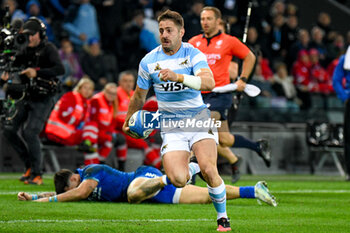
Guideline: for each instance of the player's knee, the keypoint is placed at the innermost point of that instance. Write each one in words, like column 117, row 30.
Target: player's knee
column 226, row 141
column 178, row 181
column 209, row 173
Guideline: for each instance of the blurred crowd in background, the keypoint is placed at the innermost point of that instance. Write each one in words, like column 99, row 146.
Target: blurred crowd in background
column 101, row 38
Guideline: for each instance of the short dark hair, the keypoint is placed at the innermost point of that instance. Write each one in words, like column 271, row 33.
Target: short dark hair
column 173, row 16
column 61, row 180
column 216, row 11
column 127, row 72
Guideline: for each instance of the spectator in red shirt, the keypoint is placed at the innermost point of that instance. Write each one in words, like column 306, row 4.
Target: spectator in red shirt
column 301, row 75
column 100, row 127
column 69, row 115
column 320, row 81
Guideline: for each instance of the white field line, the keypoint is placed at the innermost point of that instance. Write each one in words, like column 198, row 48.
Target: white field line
column 274, row 192
column 311, row 191
column 102, row 220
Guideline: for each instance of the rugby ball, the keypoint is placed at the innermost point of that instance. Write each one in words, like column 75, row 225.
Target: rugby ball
column 136, row 124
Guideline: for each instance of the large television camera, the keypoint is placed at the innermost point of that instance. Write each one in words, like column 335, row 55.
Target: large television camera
column 12, row 42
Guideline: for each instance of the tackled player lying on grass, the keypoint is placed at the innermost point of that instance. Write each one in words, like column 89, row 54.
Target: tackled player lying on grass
column 102, row 183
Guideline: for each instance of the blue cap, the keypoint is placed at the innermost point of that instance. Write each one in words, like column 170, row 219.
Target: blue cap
column 93, row 40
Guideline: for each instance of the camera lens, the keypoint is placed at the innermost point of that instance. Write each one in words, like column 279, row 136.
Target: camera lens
column 21, row 39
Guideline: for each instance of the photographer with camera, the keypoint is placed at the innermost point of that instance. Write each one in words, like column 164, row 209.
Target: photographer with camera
column 42, row 65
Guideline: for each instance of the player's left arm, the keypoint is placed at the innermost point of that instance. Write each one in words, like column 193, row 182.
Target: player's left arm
column 247, row 68
column 79, row 193
column 136, row 103
column 23, row 196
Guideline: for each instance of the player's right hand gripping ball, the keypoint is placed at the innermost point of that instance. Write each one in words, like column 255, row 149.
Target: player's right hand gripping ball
column 137, row 125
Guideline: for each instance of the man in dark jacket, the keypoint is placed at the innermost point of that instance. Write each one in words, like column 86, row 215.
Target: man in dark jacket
column 42, row 65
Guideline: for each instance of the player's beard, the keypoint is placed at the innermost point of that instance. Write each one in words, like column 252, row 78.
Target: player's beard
column 167, row 49
column 169, row 45
column 172, row 47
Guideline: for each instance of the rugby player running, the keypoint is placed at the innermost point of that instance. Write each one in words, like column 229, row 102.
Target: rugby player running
column 178, row 72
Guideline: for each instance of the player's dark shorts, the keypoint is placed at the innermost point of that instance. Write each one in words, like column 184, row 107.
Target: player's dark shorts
column 220, row 102
column 169, row 194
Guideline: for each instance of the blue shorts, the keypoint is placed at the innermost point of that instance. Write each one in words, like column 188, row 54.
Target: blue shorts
column 169, row 194
column 219, row 102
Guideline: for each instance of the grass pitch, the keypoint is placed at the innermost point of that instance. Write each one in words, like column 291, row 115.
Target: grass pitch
column 306, row 204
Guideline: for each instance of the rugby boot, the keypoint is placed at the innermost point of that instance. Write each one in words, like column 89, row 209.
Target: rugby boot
column 36, row 180
column 26, row 175
column 235, row 170
column 265, row 151
column 262, row 193
column 223, row 224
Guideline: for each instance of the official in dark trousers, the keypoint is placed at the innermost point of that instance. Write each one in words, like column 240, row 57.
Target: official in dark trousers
column 39, row 65
column 342, row 71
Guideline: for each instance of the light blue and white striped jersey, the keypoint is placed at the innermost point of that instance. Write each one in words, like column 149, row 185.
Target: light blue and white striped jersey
column 172, row 97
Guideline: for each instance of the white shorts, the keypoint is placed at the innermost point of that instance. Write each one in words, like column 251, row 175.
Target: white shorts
column 184, row 141
column 184, row 138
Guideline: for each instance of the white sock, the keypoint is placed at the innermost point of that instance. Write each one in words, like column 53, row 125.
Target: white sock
column 218, row 197
column 193, row 168
column 164, row 179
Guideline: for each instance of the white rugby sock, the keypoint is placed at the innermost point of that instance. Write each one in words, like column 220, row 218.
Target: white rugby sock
column 218, row 197
column 193, row 168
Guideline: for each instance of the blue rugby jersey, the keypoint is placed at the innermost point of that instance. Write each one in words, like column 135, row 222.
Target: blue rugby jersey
column 112, row 184
column 172, row 97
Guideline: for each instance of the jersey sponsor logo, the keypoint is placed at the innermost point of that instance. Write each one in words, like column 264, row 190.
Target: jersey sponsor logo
column 151, row 175
column 172, row 86
column 212, row 58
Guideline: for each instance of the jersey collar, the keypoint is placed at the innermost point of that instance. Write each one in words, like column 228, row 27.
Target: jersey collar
column 208, row 39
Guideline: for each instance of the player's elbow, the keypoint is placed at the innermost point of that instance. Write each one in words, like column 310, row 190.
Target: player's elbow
column 82, row 194
column 135, row 196
column 251, row 57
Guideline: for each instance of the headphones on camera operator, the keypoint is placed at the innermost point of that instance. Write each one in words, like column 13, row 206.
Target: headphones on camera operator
column 42, row 30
